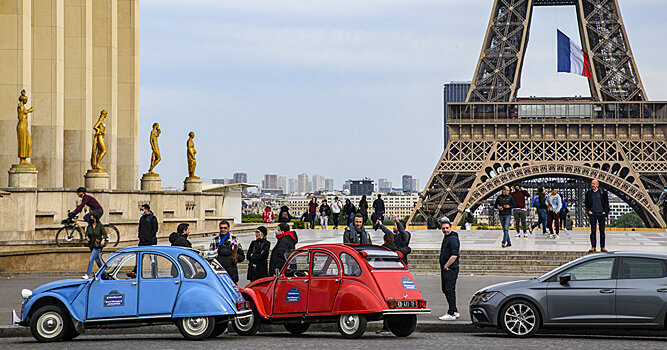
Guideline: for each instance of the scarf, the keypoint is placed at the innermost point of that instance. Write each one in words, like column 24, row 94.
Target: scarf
column 360, row 235
column 223, row 238
column 288, row 233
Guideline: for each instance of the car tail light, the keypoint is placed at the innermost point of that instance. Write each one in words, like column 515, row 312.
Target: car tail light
column 391, row 303
column 241, row 305
column 363, row 254
column 422, row 304
column 400, row 255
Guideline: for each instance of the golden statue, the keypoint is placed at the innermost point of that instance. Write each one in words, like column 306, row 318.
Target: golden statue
column 155, row 157
column 192, row 162
column 22, row 132
column 99, row 149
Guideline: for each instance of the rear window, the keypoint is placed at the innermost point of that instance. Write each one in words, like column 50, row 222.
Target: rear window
column 642, row 268
column 377, row 262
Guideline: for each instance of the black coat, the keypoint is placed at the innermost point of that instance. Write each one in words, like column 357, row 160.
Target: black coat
column 224, row 257
column 147, row 228
column 258, row 256
column 284, row 216
column 363, row 207
column 281, row 252
column 378, row 206
column 349, row 209
column 604, row 198
column 178, row 240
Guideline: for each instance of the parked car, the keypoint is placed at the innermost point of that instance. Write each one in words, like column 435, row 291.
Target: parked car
column 168, row 285
column 345, row 284
column 607, row 289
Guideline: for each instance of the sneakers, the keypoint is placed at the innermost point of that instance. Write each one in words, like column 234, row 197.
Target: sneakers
column 85, row 277
column 604, row 250
column 508, row 245
column 447, row 317
column 517, row 235
column 503, row 245
column 525, row 235
column 550, row 236
column 564, row 229
column 592, row 250
column 556, row 236
column 457, row 315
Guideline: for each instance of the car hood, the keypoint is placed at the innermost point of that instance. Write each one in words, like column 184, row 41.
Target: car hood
column 502, row 287
column 59, row 284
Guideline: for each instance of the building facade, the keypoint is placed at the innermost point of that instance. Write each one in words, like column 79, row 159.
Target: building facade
column 361, row 187
column 407, row 183
column 240, row 178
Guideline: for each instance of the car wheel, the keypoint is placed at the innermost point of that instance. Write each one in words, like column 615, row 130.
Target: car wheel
column 520, row 318
column 219, row 328
column 248, row 325
column 196, row 328
column 49, row 323
column 351, row 326
column 297, row 328
column 402, row 326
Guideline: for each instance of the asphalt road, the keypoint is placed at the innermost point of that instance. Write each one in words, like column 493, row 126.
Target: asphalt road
column 467, row 285
column 334, row 341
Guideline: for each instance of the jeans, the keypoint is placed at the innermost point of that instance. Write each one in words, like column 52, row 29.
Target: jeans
column 151, row 242
column 349, row 219
column 505, row 221
column 541, row 220
column 563, row 217
column 448, row 285
column 311, row 218
column 598, row 219
column 323, row 221
column 99, row 213
column 551, row 220
column 520, row 218
column 335, row 219
column 94, row 257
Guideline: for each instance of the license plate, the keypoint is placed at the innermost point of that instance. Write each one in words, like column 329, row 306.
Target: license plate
column 406, row 304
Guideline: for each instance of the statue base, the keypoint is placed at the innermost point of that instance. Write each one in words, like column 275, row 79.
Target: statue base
column 96, row 180
column 192, row 184
column 22, row 176
column 151, row 182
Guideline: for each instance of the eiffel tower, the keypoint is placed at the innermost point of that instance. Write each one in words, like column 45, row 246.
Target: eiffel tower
column 616, row 137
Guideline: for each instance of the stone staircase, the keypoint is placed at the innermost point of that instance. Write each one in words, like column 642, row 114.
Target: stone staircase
column 494, row 262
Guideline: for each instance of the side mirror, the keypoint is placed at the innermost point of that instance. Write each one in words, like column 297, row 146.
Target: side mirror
column 564, row 279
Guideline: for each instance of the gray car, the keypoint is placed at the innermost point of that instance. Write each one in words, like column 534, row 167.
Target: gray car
column 607, row 289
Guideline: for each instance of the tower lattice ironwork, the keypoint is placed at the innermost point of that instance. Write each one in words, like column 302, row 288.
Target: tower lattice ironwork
column 617, row 136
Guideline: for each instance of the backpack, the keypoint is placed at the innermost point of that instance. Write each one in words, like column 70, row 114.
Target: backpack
column 284, row 216
column 536, row 201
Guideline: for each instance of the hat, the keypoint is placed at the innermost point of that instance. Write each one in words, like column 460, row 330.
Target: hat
column 263, row 230
column 444, row 219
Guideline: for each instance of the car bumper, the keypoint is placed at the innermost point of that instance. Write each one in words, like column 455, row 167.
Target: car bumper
column 483, row 315
column 244, row 314
column 406, row 312
column 16, row 320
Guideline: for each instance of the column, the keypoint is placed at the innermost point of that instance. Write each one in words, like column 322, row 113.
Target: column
column 48, row 85
column 128, row 95
column 78, row 91
column 15, row 75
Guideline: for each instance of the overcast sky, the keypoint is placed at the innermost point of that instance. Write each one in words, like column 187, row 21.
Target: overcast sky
column 346, row 89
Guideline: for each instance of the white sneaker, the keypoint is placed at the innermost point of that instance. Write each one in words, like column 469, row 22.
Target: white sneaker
column 447, row 317
column 85, row 277
column 517, row 235
column 556, row 236
column 457, row 315
column 525, row 235
column 564, row 230
column 551, row 236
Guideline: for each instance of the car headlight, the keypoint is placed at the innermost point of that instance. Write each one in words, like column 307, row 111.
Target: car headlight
column 486, row 296
column 26, row 293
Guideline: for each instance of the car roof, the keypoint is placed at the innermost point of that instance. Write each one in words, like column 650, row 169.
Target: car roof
column 629, row 254
column 169, row 250
column 371, row 250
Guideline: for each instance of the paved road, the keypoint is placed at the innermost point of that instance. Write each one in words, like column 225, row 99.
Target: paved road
column 10, row 289
column 456, row 341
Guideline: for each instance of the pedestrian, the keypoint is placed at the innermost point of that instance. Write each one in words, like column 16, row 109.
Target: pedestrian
column 520, row 211
column 97, row 238
column 148, row 226
column 349, row 211
column 230, row 252
column 89, row 201
column 401, row 237
column 467, row 219
column 363, row 208
column 378, row 209
column 268, row 215
column 389, row 241
column 258, row 255
column 356, row 232
column 449, row 268
column 325, row 212
column 284, row 215
column 554, row 202
column 505, row 203
column 312, row 211
column 541, row 211
column 597, row 206
column 180, row 237
column 336, row 207
column 562, row 215
column 287, row 241
column 662, row 202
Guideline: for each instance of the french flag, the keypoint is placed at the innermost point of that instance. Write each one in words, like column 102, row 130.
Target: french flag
column 571, row 59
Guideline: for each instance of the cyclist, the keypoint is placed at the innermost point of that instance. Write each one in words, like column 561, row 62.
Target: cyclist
column 86, row 199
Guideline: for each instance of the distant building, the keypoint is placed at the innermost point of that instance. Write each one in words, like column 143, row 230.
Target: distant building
column 407, row 183
column 270, row 182
column 282, row 183
column 221, row 181
column 415, row 185
column 318, row 183
column 302, row 183
column 240, row 178
column 455, row 91
column 361, row 187
column 384, row 185
column 346, row 185
column 329, row 185
column 291, row 185
column 399, row 205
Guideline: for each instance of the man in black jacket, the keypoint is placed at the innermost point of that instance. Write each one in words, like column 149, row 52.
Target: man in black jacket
column 287, row 241
column 401, row 237
column 597, row 206
column 230, row 252
column 378, row 208
column 147, row 226
column 180, row 237
column 449, row 269
column 505, row 203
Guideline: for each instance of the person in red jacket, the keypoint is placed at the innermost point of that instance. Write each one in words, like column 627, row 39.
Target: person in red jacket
column 520, row 194
column 268, row 215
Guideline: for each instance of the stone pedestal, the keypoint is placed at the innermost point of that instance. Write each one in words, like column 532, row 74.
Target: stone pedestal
column 23, row 176
column 192, row 184
column 97, row 180
column 151, row 182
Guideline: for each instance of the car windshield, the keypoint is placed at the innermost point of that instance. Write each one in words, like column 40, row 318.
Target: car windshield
column 550, row 273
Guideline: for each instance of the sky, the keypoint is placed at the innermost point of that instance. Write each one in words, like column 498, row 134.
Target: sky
column 346, row 89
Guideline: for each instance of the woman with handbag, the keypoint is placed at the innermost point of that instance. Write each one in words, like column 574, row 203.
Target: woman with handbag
column 97, row 238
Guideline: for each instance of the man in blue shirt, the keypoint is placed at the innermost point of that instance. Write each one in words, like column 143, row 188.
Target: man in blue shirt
column 449, row 269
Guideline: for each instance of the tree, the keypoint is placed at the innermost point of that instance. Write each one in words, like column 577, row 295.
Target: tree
column 630, row 219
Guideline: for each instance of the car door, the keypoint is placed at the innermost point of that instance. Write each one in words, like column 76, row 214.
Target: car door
column 159, row 283
column 641, row 292
column 291, row 290
column 589, row 297
column 114, row 291
column 324, row 282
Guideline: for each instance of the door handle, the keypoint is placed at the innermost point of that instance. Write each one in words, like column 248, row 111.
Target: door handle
column 662, row 290
column 134, row 283
column 336, row 280
column 177, row 282
column 606, row 291
column 305, row 281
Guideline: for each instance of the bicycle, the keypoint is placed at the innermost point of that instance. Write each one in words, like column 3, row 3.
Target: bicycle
column 72, row 233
